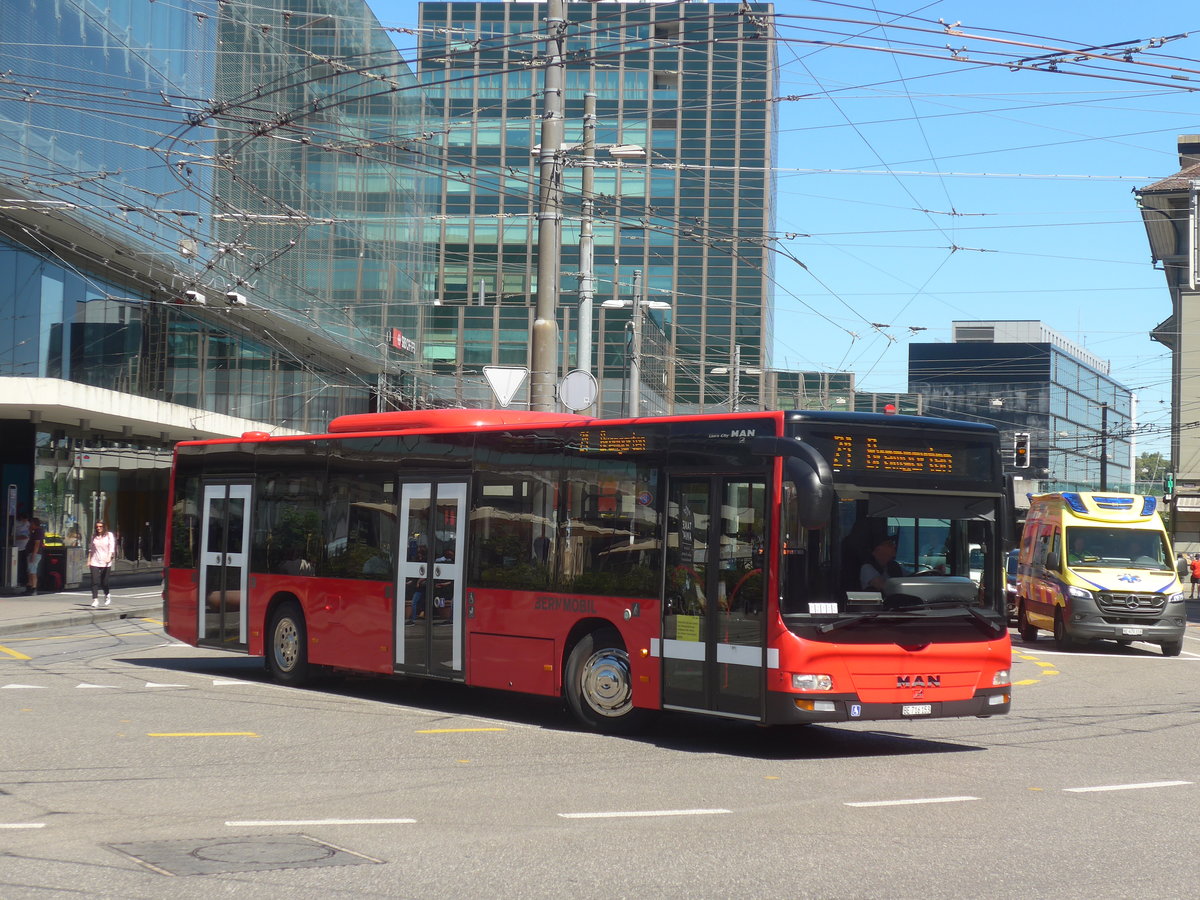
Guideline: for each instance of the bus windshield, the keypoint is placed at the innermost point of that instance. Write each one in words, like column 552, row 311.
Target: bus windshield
column 1116, row 548
column 885, row 550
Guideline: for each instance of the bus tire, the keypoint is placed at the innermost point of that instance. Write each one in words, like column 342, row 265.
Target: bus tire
column 287, row 645
column 599, row 685
column 1025, row 628
column 1172, row 648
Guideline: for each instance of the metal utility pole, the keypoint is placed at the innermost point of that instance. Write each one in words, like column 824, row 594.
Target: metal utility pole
column 635, row 354
column 735, row 377
column 1104, row 446
column 587, row 268
column 543, row 343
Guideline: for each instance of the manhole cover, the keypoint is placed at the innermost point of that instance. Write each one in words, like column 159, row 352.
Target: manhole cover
column 216, row 856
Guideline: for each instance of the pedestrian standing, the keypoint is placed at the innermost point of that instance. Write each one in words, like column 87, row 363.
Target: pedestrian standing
column 33, row 553
column 1195, row 574
column 100, row 559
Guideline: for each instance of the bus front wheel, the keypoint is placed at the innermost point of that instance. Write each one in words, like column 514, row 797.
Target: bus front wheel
column 287, row 648
column 599, row 685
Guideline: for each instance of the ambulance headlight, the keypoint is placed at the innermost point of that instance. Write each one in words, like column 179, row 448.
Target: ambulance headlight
column 1175, row 598
column 1079, row 592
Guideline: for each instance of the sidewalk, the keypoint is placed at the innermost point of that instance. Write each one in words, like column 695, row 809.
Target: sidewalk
column 135, row 596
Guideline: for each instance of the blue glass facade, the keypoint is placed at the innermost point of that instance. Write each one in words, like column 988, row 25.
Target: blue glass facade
column 211, row 206
column 689, row 83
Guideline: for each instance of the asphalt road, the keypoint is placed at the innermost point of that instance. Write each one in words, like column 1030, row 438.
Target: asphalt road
column 135, row 767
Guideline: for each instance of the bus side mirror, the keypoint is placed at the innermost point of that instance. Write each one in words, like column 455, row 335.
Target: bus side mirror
column 808, row 470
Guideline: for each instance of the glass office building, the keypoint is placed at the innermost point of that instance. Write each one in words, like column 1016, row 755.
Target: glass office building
column 687, row 84
column 210, row 224
column 1025, row 378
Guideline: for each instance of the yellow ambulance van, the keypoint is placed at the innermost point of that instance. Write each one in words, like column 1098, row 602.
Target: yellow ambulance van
column 1097, row 566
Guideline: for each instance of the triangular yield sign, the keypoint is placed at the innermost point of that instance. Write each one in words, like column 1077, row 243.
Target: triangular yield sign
column 505, row 380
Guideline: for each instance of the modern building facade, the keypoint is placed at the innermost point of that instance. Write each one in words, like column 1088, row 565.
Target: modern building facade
column 209, row 224
column 683, row 214
column 1169, row 212
column 1025, row 378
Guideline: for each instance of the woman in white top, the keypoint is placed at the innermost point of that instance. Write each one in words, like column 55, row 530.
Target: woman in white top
column 100, row 559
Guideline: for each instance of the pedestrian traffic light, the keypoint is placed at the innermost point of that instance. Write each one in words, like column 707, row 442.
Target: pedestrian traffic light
column 1169, row 483
column 1021, row 450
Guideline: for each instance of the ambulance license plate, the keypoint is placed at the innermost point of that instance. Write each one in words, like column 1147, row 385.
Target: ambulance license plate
column 1133, row 632
column 916, row 709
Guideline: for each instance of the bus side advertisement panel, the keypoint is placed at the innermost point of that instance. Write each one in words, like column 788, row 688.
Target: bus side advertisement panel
column 182, row 596
column 551, row 616
column 350, row 625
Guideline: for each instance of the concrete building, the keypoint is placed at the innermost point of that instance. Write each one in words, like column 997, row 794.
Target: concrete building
column 1025, row 378
column 683, row 214
column 209, row 224
column 1169, row 212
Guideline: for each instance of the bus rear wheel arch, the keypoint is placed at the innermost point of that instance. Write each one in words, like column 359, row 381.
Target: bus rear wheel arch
column 598, row 684
column 287, row 644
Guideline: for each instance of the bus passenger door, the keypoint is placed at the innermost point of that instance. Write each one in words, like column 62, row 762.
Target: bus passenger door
column 429, row 585
column 714, row 623
column 224, row 564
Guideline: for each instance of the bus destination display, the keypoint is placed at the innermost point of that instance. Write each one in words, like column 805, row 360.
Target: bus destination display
column 867, row 456
column 872, row 454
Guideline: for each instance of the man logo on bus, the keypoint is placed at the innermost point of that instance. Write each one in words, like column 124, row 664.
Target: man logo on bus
column 918, row 681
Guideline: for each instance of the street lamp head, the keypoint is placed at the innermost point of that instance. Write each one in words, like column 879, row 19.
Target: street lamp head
column 616, row 304
column 626, row 151
column 655, row 304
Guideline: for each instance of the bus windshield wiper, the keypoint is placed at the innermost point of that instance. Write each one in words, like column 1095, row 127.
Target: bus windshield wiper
column 851, row 621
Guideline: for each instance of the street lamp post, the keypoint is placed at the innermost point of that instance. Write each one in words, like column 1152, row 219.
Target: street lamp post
column 735, row 373
column 633, row 363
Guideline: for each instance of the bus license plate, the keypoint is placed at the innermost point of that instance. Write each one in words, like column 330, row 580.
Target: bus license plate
column 916, row 709
column 1131, row 631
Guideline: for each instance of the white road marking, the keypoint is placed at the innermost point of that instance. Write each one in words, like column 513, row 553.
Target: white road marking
column 86, row 685
column 647, row 813
column 23, row 687
column 22, row 824
column 280, row 823
column 1126, row 787
column 151, row 684
column 913, row 802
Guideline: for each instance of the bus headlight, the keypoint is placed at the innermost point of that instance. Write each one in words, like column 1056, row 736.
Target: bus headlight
column 807, row 682
column 1002, row 676
column 1176, row 598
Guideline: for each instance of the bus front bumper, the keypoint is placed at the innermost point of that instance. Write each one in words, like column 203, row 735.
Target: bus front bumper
column 794, row 709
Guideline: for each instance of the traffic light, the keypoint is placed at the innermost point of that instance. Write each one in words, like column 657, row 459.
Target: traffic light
column 1021, row 449
column 1169, row 483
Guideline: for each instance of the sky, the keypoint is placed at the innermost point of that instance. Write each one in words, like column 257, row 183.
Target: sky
column 928, row 176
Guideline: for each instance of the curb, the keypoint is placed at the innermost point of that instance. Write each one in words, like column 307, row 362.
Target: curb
column 68, row 618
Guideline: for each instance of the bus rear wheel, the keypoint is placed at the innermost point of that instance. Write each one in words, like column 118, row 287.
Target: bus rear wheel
column 599, row 685
column 287, row 645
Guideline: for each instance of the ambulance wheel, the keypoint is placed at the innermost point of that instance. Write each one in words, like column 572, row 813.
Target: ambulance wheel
column 1172, row 648
column 1028, row 631
column 1061, row 639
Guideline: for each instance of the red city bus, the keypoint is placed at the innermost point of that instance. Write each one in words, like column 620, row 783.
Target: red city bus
column 778, row 567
